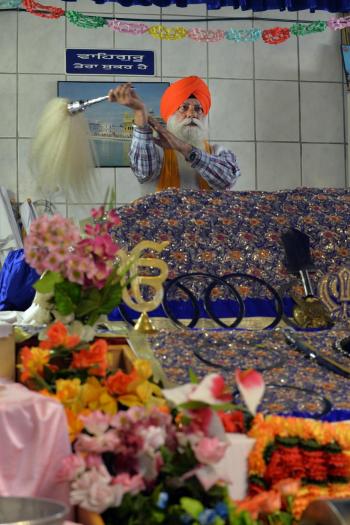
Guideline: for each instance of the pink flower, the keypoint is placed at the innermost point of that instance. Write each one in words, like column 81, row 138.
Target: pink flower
column 93, row 460
column 96, row 423
column 132, row 484
column 72, row 466
column 48, row 242
column 211, row 390
column 97, row 213
column 114, row 218
column 92, row 229
column 93, row 491
column 97, row 444
column 251, row 386
column 210, row 450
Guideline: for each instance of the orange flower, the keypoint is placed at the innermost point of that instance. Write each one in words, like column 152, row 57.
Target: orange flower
column 57, row 335
column 288, row 486
column 119, row 383
column 75, row 424
column 93, row 358
column 33, row 361
column 232, row 421
column 263, row 503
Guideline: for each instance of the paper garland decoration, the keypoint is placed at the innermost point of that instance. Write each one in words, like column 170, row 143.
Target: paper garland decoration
column 273, row 36
column 81, row 20
column 127, row 27
column 44, row 11
column 167, row 33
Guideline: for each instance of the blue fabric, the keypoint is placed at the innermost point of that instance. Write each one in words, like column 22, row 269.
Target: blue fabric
column 16, row 280
column 333, row 6
column 223, row 308
column 332, row 416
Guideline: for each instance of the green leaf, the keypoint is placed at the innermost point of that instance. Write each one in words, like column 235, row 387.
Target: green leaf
column 193, row 405
column 193, row 377
column 111, row 298
column 47, row 282
column 192, row 507
column 67, row 296
column 90, row 301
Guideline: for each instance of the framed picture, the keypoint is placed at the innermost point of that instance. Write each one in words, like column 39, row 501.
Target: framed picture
column 111, row 124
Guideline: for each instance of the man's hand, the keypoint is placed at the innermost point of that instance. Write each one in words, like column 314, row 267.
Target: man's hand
column 126, row 96
column 167, row 140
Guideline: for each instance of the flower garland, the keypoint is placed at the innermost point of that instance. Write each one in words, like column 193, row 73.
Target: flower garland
column 44, row 11
column 86, row 21
column 274, row 35
column 314, row 452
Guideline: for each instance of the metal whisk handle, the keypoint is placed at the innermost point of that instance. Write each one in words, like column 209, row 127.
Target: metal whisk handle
column 80, row 105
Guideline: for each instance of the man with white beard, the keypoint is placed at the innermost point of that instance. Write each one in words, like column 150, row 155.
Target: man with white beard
column 180, row 155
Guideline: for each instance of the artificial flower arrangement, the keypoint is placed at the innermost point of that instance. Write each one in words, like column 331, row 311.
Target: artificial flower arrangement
column 76, row 373
column 313, row 455
column 80, row 275
column 158, row 465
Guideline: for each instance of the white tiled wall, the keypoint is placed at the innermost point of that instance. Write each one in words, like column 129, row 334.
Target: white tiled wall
column 280, row 108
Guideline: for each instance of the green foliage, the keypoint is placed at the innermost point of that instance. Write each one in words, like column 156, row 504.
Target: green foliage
column 47, row 282
column 193, row 377
column 86, row 304
column 186, row 499
column 280, row 518
column 66, row 297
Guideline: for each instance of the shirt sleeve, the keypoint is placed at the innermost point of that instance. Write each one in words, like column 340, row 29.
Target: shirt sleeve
column 220, row 169
column 145, row 156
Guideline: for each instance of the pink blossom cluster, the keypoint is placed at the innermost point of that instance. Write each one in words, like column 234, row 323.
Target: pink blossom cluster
column 134, row 438
column 55, row 244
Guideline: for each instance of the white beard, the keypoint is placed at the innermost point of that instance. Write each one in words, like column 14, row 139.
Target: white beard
column 194, row 135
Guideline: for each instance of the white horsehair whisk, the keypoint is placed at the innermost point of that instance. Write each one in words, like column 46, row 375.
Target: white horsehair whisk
column 62, row 156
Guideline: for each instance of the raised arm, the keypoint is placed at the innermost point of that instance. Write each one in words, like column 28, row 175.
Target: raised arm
column 145, row 156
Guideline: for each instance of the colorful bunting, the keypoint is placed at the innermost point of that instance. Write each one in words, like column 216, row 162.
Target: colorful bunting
column 274, row 35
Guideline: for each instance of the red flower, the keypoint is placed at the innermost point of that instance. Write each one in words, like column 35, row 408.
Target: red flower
column 232, row 421
column 57, row 335
column 93, row 358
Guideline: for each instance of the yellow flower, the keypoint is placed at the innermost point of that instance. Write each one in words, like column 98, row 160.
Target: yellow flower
column 75, row 424
column 33, row 361
column 143, row 368
column 143, row 394
column 95, row 397
column 69, row 393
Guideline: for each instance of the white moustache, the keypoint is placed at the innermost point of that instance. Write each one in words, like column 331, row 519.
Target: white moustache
column 191, row 122
column 191, row 130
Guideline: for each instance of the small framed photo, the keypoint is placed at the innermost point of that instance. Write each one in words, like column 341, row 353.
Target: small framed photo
column 111, row 124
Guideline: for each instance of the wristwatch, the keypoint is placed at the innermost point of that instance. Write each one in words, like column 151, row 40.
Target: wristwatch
column 192, row 156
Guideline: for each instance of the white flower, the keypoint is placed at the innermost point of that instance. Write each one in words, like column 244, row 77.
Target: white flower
column 85, row 332
column 153, row 438
column 93, row 490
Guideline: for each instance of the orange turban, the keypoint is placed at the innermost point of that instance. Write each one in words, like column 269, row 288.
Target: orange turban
column 181, row 90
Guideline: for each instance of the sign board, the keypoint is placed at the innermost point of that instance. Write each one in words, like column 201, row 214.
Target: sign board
column 109, row 62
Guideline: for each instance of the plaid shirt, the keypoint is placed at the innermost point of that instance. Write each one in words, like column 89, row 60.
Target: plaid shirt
column 220, row 168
